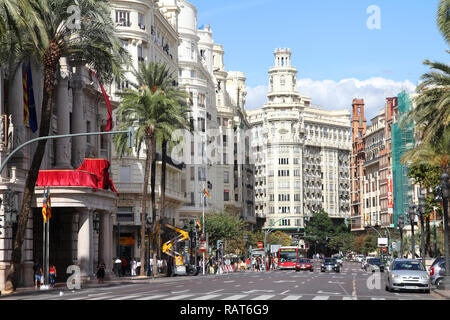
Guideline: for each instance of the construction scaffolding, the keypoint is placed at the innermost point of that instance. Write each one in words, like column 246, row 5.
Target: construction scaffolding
column 402, row 141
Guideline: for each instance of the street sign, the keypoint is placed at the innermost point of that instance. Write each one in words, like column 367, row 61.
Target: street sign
column 274, row 248
column 382, row 242
column 260, row 245
column 202, row 246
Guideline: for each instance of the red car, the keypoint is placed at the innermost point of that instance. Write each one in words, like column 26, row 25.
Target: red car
column 304, row 264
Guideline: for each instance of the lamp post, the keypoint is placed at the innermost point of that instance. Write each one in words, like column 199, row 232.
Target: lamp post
column 412, row 215
column 444, row 187
column 401, row 225
column 421, row 212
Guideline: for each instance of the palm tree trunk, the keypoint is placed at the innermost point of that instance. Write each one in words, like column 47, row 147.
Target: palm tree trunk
column 163, row 182
column 154, row 220
column 148, row 161
column 32, row 175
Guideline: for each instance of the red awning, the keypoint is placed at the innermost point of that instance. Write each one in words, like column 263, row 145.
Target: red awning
column 92, row 173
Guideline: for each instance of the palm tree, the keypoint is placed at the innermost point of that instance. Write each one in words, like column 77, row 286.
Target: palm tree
column 155, row 107
column 443, row 19
column 94, row 43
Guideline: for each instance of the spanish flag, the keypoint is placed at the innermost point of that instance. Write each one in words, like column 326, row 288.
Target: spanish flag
column 206, row 193
column 46, row 206
column 29, row 106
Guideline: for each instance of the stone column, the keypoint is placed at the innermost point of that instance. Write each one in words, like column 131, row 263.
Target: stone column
column 15, row 108
column 106, row 242
column 85, row 243
column 78, row 122
column 63, row 149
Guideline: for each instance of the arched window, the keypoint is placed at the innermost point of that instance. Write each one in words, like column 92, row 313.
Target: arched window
column 282, row 81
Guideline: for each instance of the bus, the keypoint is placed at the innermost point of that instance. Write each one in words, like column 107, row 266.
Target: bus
column 287, row 257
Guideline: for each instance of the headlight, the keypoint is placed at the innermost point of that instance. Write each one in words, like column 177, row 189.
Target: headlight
column 395, row 276
column 426, row 277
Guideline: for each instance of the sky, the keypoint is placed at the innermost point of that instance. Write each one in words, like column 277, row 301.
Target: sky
column 343, row 49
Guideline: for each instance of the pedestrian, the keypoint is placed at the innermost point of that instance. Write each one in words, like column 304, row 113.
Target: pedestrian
column 133, row 267
column 138, row 267
column 52, row 275
column 38, row 274
column 159, row 264
column 101, row 271
column 124, row 266
column 118, row 266
column 247, row 264
column 150, row 265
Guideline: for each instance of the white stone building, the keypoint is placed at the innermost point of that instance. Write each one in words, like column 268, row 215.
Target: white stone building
column 81, row 223
column 148, row 29
column 301, row 154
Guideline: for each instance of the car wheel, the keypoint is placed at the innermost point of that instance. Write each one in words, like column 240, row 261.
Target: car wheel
column 438, row 282
column 311, row 270
column 386, row 288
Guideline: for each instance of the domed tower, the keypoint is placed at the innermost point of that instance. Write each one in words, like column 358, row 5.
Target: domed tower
column 283, row 78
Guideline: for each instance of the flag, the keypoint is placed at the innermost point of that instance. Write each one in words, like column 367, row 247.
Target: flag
column 46, row 206
column 109, row 124
column 206, row 193
column 29, row 106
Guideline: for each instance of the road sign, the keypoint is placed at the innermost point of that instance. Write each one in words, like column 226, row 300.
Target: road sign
column 382, row 242
column 384, row 249
column 260, row 245
column 202, row 246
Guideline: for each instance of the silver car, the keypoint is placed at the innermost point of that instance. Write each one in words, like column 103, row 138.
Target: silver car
column 407, row 274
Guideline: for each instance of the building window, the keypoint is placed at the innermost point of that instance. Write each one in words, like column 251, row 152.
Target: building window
column 226, row 177
column 123, row 18
column 141, row 21
column 125, row 174
column 125, row 214
column 226, row 195
column 192, row 173
column 202, row 174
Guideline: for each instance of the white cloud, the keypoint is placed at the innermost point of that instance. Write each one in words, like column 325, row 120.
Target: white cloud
column 334, row 95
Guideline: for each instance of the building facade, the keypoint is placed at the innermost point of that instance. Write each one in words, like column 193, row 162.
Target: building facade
column 81, row 223
column 301, row 154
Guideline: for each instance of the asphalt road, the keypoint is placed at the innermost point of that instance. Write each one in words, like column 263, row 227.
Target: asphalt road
column 352, row 283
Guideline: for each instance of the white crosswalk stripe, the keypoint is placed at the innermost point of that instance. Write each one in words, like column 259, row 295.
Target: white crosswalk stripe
column 292, row 297
column 207, row 297
column 349, row 298
column 321, row 297
column 127, row 297
column 235, row 297
column 264, row 297
column 378, row 298
column 184, row 296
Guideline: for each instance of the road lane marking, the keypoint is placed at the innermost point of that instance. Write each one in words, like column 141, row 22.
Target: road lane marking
column 321, row 297
column 235, row 297
column 127, row 297
column 103, row 298
column 214, row 291
column 207, row 297
column 292, row 297
column 264, row 297
column 176, row 292
column 153, row 297
column 285, row 292
column 349, row 298
column 374, row 298
column 184, row 296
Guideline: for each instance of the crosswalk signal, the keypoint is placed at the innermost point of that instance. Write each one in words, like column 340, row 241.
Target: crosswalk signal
column 1, row 225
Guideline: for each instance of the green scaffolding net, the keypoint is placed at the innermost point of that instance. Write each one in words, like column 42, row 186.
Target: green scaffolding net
column 402, row 141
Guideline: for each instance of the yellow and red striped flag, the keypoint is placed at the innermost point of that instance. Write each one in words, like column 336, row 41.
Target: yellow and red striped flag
column 206, row 193
column 46, row 206
column 199, row 226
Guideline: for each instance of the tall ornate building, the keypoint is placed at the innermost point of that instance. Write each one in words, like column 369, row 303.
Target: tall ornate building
column 301, row 154
column 148, row 30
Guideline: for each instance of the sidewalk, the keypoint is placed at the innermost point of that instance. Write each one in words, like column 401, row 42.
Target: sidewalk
column 443, row 293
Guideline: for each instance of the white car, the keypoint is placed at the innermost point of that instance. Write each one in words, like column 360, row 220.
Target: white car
column 359, row 258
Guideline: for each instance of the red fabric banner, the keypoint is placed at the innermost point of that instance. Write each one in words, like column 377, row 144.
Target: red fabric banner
column 66, row 178
column 109, row 123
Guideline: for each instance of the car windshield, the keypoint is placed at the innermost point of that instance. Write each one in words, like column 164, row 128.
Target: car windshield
column 408, row 265
column 330, row 260
column 303, row 260
column 374, row 261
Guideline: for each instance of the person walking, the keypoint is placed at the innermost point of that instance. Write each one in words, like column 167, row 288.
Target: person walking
column 101, row 271
column 117, row 267
column 133, row 267
column 138, row 267
column 52, row 275
column 124, row 266
column 38, row 274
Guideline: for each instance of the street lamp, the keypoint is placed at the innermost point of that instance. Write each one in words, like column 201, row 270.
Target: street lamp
column 412, row 215
column 401, row 225
column 421, row 212
column 444, row 187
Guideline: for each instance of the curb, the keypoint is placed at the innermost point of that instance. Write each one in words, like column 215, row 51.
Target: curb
column 441, row 294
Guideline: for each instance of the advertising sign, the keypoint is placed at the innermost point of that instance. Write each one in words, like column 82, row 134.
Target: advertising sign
column 390, row 195
column 382, row 242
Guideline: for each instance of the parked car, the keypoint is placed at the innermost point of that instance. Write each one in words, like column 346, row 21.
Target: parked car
column 304, row 264
column 407, row 274
column 437, row 271
column 330, row 264
column 374, row 264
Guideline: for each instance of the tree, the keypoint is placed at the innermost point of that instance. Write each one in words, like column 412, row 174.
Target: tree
column 443, row 19
column 155, row 107
column 320, row 228
column 94, row 43
column 223, row 226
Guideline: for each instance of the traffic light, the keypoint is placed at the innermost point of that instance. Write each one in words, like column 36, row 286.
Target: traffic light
column 1, row 225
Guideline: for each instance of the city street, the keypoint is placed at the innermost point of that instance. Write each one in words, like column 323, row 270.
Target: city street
column 350, row 284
